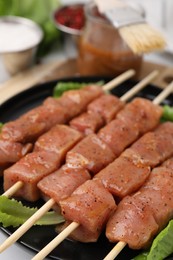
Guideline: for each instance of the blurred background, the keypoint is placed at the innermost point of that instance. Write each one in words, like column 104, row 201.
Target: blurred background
column 57, row 45
column 158, row 13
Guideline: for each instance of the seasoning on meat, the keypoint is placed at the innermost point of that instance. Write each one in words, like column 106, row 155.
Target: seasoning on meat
column 61, row 183
column 91, row 153
column 122, row 176
column 142, row 112
column 154, row 147
column 99, row 112
column 128, row 172
column 48, row 155
column 132, row 224
column 59, row 139
column 37, row 121
column 90, row 205
column 32, row 124
column 74, row 102
column 14, row 149
column 106, row 106
column 87, row 123
column 141, row 216
column 118, row 134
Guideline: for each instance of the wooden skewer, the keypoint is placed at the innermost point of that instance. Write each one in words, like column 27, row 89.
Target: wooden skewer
column 118, row 80
column 13, row 189
column 115, row 251
column 49, row 204
column 57, row 240
column 144, row 82
column 66, row 232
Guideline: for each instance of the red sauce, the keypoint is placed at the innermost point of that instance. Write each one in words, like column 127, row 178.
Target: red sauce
column 71, row 16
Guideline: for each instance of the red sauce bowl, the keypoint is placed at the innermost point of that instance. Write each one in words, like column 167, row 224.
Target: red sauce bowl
column 70, row 18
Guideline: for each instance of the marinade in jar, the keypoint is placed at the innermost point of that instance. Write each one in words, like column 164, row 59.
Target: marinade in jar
column 102, row 51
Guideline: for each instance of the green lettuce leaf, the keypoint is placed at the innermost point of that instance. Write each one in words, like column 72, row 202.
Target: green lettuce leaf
column 142, row 256
column 61, row 87
column 1, row 125
column 14, row 213
column 167, row 113
column 162, row 245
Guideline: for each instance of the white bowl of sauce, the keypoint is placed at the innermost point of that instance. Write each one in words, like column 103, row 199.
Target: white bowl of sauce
column 20, row 38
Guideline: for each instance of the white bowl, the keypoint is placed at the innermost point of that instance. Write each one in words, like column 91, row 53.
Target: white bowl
column 20, row 38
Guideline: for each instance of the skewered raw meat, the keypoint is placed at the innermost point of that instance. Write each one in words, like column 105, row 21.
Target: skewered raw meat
column 75, row 101
column 90, row 205
column 87, row 123
column 126, row 179
column 127, row 173
column 65, row 181
column 140, row 111
column 91, row 153
column 58, row 140
column 118, row 134
column 17, row 150
column 47, row 157
column 123, row 176
column 132, row 224
column 32, row 124
column 106, row 106
column 151, row 207
column 48, row 141
column 84, row 155
column 99, row 112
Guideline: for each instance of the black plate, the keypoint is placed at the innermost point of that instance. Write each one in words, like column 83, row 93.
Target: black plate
column 37, row 237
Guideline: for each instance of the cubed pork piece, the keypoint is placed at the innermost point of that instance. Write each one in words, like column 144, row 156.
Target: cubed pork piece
column 61, row 183
column 118, row 134
column 30, row 170
column 32, row 124
column 157, row 192
column 91, row 153
column 128, row 172
column 48, row 156
column 100, row 112
column 122, row 177
column 90, row 205
column 59, row 139
column 107, row 106
column 151, row 149
column 132, row 223
column 168, row 163
column 165, row 128
column 140, row 217
column 143, row 113
column 87, row 123
column 76, row 101
column 11, row 152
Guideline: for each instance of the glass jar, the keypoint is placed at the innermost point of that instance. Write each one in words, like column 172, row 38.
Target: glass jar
column 101, row 48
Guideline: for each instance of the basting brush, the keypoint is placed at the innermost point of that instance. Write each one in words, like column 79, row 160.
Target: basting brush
column 132, row 26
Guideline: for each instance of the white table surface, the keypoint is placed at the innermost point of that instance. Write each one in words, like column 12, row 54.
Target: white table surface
column 17, row 251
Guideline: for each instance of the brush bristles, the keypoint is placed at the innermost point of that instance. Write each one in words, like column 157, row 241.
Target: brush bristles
column 142, row 38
